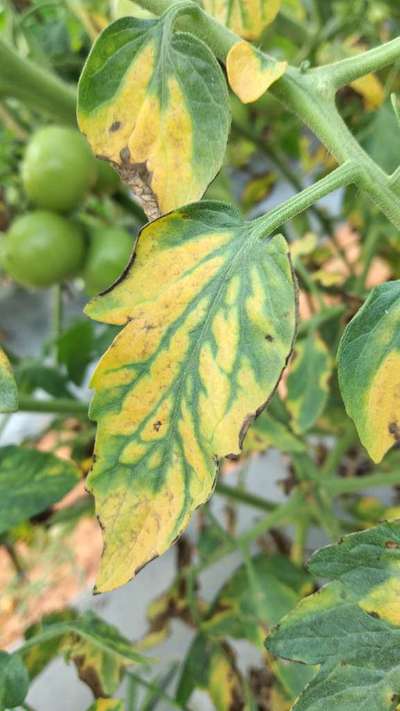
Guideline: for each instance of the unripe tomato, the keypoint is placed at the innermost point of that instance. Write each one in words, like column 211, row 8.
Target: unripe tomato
column 108, row 179
column 58, row 169
column 108, row 254
column 42, row 248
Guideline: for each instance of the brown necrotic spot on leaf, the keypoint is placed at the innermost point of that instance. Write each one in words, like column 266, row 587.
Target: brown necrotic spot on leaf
column 394, row 430
column 115, row 126
column 137, row 176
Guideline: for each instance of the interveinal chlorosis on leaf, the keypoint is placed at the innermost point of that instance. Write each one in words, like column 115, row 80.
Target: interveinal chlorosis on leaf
column 308, row 382
column 155, row 104
column 209, row 310
column 369, row 369
column 250, row 72
column 351, row 626
column 8, row 386
column 247, row 18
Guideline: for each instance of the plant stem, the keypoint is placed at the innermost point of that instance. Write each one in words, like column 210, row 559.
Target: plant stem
column 284, row 168
column 336, row 485
column 38, row 89
column 313, row 323
column 14, row 557
column 56, row 319
column 272, row 220
column 310, row 95
column 156, row 689
column 243, row 497
column 283, row 513
column 318, row 498
column 335, row 455
column 61, row 406
column 346, row 70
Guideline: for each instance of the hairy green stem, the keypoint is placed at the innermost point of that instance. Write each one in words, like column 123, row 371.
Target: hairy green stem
column 347, row 70
column 272, row 220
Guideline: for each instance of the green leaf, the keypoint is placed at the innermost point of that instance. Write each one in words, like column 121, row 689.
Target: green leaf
column 246, row 18
column 210, row 312
column 351, row 627
column 267, row 431
column 14, row 680
column 369, row 369
column 30, row 482
column 307, row 383
column 32, row 375
column 257, row 595
column 155, row 104
column 99, row 652
column 76, row 359
column 383, row 137
column 8, row 386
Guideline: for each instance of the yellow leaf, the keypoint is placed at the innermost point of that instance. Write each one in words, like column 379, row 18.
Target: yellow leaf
column 246, row 18
column 250, row 73
column 209, row 315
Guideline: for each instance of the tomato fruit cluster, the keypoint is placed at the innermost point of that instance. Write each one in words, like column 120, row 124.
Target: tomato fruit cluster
column 46, row 245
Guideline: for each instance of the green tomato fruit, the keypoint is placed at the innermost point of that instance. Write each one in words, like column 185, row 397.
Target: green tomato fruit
column 108, row 179
column 108, row 254
column 58, row 168
column 41, row 249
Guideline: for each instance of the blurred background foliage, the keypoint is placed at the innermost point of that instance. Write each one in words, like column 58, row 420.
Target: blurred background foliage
column 340, row 249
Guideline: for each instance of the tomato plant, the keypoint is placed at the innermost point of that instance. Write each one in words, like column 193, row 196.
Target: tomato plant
column 240, row 248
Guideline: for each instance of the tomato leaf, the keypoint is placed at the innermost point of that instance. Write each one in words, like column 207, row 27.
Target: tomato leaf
column 8, row 386
column 14, row 680
column 259, row 592
column 30, row 482
column 247, row 18
column 211, row 666
column 267, row 431
column 369, row 369
column 155, row 104
column 210, row 312
column 98, row 650
column 351, row 627
column 307, row 383
column 250, row 72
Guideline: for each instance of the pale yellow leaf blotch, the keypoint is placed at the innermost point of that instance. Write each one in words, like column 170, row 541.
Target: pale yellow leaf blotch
column 246, row 18
column 250, row 74
column 382, row 416
column 384, row 601
column 371, row 89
